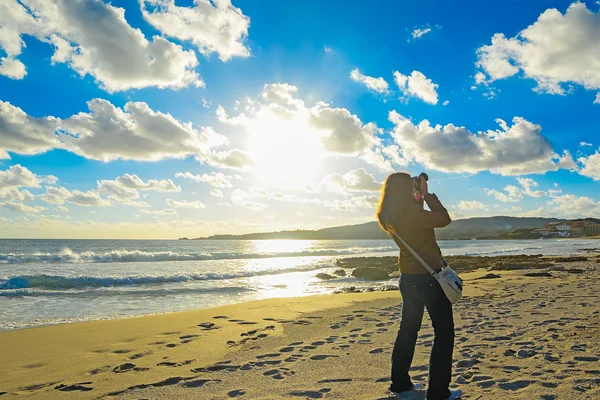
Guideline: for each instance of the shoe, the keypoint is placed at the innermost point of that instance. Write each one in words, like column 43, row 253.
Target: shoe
column 410, row 394
column 455, row 394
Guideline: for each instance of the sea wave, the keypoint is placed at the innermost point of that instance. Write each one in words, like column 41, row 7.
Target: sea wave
column 60, row 282
column 68, row 256
column 496, row 251
column 146, row 291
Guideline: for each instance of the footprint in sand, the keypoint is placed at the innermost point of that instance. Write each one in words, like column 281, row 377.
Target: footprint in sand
column 270, row 355
column 279, row 373
column 486, row 384
column 198, row 383
column 39, row 386
column 467, row 363
column 175, row 364
column 217, row 367
column 286, row 349
column 293, row 358
column 320, row 357
column 526, row 353
column 236, row 393
column 99, row 370
column 515, row 385
column 376, row 351
column 128, row 367
column 310, row 394
column 188, row 337
column 207, row 326
column 586, row 359
column 139, row 355
column 76, row 387
column 335, row 380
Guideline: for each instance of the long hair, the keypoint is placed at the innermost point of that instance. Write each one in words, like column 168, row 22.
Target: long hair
column 396, row 193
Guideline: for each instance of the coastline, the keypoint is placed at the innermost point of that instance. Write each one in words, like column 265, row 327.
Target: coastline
column 241, row 350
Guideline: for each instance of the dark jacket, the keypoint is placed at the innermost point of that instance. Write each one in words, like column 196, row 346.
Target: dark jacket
column 416, row 227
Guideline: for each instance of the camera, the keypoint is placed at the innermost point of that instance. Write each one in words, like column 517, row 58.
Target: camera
column 422, row 175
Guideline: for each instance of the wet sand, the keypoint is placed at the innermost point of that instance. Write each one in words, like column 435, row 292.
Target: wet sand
column 520, row 334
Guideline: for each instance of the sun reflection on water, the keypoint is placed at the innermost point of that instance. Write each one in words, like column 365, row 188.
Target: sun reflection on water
column 282, row 246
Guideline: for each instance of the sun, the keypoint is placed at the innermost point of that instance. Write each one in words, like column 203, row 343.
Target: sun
column 286, row 151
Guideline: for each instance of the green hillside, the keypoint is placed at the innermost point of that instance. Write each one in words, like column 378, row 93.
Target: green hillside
column 469, row 228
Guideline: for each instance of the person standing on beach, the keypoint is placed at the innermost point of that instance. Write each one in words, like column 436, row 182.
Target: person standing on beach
column 400, row 210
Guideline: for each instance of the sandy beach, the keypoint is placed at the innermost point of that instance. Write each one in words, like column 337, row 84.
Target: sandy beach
column 520, row 334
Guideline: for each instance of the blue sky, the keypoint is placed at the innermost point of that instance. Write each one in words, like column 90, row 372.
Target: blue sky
column 163, row 119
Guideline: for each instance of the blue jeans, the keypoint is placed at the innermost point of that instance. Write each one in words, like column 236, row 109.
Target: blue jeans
column 420, row 292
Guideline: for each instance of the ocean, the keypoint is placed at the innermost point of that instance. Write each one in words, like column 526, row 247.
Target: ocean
column 58, row 281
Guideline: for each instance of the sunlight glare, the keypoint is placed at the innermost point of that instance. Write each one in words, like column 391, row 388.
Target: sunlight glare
column 285, row 150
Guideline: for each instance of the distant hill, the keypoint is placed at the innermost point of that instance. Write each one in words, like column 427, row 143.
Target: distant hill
column 469, row 228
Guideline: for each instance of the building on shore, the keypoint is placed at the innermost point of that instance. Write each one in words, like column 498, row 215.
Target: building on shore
column 569, row 228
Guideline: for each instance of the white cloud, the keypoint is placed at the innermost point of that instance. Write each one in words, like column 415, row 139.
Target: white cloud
column 278, row 196
column 125, row 188
column 467, row 205
column 14, row 21
column 60, row 195
column 571, row 206
column 185, row 204
column 20, row 133
column 15, row 177
column 13, row 194
column 357, row 180
column 512, row 150
column 135, row 182
column 135, row 132
column 418, row 33
column 582, row 144
column 20, row 207
column 416, row 84
column 216, row 193
column 216, row 179
column 12, row 68
column 93, row 38
column 378, row 85
column 353, row 203
column 446, row 102
column 244, row 199
column 233, row 159
column 327, row 49
column 127, row 201
column 107, row 133
column 342, row 132
column 555, row 50
column 384, row 157
column 513, row 194
column 591, row 166
column 597, row 100
column 565, row 161
column 160, row 213
column 18, row 176
column 61, row 208
column 213, row 26
column 527, row 184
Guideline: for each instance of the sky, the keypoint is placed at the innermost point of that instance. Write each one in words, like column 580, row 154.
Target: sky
column 165, row 119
